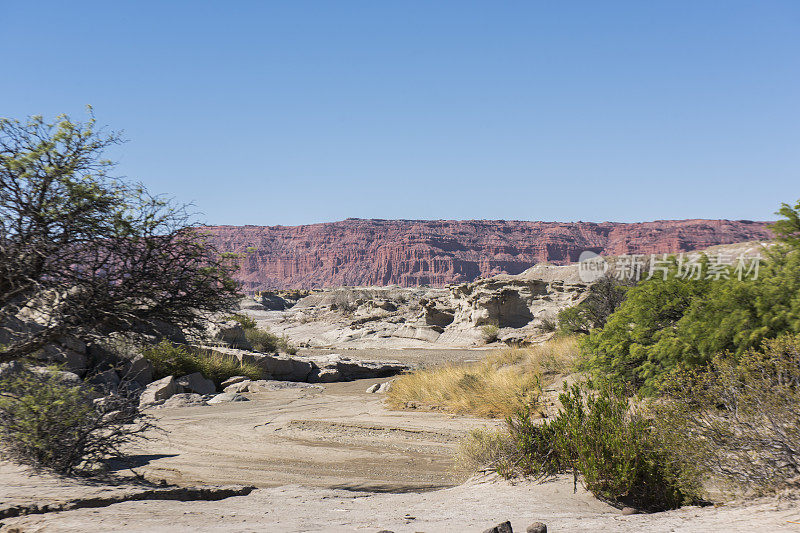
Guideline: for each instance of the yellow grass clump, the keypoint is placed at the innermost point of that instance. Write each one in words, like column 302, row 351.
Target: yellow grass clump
column 493, row 387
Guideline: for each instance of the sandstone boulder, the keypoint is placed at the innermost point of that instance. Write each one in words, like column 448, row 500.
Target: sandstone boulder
column 249, row 304
column 335, row 367
column 264, row 385
column 238, row 387
column 182, row 400
column 227, row 397
column 197, row 383
column 232, row 380
column 380, row 388
column 273, row 302
column 505, row 527
column 65, row 356
column 67, row 378
column 139, row 369
column 159, row 390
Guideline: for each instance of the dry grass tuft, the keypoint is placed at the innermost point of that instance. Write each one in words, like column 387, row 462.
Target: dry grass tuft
column 494, row 387
column 483, row 450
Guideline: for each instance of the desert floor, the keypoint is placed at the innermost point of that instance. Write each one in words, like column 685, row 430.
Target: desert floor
column 335, row 459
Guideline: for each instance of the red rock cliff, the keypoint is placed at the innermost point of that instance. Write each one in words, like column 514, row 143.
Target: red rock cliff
column 437, row 252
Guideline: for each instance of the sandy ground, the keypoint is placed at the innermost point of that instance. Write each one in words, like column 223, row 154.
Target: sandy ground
column 335, row 460
column 471, row 507
column 339, row 437
column 419, row 357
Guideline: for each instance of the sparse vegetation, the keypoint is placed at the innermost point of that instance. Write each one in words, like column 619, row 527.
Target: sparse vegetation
column 263, row 340
column 606, row 444
column 53, row 424
column 493, row 387
column 605, row 296
column 548, row 325
column 738, row 420
column 245, row 321
column 489, row 333
column 486, row 450
column 178, row 360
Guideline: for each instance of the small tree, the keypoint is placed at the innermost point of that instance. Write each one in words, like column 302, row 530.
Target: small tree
column 84, row 254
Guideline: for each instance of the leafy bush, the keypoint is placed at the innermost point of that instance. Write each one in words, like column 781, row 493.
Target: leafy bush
column 664, row 325
column 48, row 423
column 614, row 450
column 739, row 419
column 178, row 360
column 489, row 333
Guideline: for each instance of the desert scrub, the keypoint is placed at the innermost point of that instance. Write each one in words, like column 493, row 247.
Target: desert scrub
column 52, row 424
column 741, row 416
column 486, row 449
column 179, row 360
column 245, row 321
column 489, row 333
column 610, row 447
column 494, row 387
column 263, row 340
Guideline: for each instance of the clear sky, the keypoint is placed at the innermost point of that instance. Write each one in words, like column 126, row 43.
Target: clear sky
column 296, row 111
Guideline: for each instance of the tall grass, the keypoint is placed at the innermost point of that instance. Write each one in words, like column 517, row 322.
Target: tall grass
column 497, row 386
column 178, row 360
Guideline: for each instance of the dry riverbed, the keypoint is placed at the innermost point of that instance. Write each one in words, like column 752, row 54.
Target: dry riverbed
column 333, row 459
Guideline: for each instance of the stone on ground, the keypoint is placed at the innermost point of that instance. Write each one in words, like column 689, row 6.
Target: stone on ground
column 159, row 390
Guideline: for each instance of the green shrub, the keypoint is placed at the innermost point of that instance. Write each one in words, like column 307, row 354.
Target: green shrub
column 548, row 325
column 611, row 447
column 489, row 333
column 51, row 424
column 178, row 360
column 665, row 325
column 263, row 341
column 245, row 321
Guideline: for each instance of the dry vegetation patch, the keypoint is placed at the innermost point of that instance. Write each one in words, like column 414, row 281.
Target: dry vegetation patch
column 496, row 386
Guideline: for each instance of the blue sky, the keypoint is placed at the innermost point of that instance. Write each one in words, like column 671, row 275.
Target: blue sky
column 298, row 112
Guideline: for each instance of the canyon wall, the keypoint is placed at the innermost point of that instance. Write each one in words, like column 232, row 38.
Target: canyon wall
column 412, row 252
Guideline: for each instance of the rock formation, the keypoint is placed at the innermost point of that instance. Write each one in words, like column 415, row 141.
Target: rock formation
column 523, row 308
column 413, row 253
column 419, row 317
